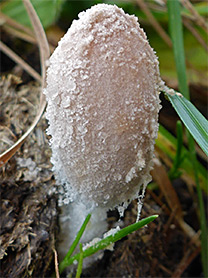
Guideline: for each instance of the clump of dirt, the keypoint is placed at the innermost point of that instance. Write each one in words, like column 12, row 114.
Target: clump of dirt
column 28, row 221
column 28, row 199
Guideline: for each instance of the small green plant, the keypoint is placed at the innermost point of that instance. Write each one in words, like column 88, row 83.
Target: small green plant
column 79, row 268
column 175, row 172
column 195, row 123
column 102, row 244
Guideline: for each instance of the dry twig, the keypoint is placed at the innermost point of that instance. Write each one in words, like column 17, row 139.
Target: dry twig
column 161, row 177
column 186, row 261
column 154, row 22
column 44, row 53
column 40, row 36
column 56, row 263
column 20, row 61
column 195, row 33
column 199, row 20
column 19, row 34
column 16, row 25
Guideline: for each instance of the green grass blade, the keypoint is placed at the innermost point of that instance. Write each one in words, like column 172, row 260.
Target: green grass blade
column 194, row 121
column 103, row 243
column 79, row 268
column 167, row 143
column 176, row 32
column 175, row 24
column 74, row 244
column 174, row 172
column 203, row 222
column 179, row 129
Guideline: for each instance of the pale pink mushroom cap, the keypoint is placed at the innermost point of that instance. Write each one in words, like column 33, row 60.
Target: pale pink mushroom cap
column 103, row 87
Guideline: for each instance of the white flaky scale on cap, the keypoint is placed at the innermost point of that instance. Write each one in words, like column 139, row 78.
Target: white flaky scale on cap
column 103, row 87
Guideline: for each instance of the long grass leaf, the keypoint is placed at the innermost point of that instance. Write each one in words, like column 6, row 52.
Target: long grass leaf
column 194, row 121
column 175, row 23
column 174, row 172
column 74, row 244
column 79, row 268
column 176, row 31
column 103, row 243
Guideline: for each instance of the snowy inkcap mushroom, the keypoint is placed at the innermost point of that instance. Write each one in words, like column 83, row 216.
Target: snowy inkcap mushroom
column 103, row 86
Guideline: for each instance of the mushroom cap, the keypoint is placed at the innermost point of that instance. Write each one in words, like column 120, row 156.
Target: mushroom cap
column 103, row 86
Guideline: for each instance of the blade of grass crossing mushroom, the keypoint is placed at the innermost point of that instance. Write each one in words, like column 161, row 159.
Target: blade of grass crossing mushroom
column 79, row 268
column 44, row 53
column 75, row 243
column 175, row 23
column 79, row 235
column 103, row 243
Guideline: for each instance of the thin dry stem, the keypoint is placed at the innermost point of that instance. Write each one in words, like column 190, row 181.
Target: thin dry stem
column 56, row 263
column 19, row 34
column 40, row 35
column 159, row 202
column 15, row 24
column 199, row 20
column 161, row 177
column 195, row 33
column 18, row 30
column 44, row 53
column 4, row 157
column 20, row 61
column 165, row 269
column 189, row 231
column 188, row 257
column 154, row 22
